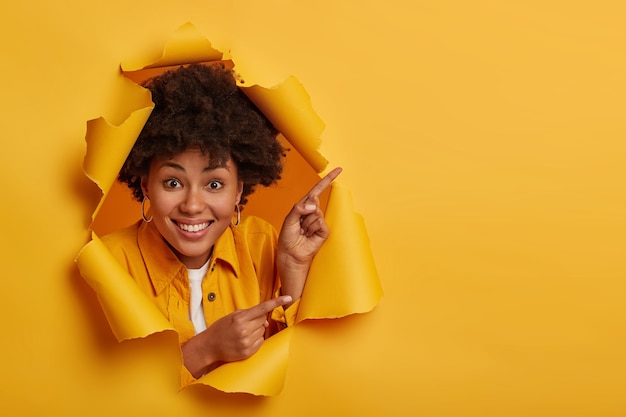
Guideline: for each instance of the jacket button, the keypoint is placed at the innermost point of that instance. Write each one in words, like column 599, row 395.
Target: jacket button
column 211, row 296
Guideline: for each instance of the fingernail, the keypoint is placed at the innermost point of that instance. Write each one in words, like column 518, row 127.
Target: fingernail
column 310, row 207
column 287, row 298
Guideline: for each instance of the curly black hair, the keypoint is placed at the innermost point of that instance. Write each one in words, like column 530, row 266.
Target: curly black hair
column 200, row 106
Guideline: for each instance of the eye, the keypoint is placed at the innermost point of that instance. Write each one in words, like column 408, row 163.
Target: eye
column 215, row 185
column 171, row 183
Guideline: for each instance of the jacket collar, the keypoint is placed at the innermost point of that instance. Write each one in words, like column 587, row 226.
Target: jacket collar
column 162, row 264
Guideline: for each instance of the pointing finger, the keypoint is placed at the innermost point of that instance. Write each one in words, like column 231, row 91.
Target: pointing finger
column 261, row 310
column 322, row 184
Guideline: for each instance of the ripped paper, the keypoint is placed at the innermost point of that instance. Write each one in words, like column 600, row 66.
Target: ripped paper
column 289, row 108
column 343, row 269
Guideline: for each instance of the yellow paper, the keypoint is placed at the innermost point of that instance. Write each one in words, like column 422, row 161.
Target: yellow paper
column 343, row 278
column 108, row 146
column 129, row 312
column 261, row 374
column 186, row 46
column 345, row 265
column 288, row 107
column 485, row 151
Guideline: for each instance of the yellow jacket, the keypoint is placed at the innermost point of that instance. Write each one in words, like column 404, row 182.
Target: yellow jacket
column 242, row 272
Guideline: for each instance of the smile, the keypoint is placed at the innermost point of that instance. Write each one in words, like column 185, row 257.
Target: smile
column 193, row 227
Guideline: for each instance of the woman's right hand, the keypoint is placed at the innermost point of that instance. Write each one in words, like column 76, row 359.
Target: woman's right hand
column 232, row 338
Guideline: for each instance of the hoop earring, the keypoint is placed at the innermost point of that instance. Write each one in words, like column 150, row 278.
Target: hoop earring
column 143, row 211
column 238, row 209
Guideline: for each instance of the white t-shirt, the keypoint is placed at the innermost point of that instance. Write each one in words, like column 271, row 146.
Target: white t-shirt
column 196, row 310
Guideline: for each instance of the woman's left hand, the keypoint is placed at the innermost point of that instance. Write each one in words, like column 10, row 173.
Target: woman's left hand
column 301, row 237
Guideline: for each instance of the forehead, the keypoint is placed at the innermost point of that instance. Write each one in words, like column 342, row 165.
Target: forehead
column 194, row 157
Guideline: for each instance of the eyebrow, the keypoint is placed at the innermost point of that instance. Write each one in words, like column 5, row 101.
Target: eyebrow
column 173, row 165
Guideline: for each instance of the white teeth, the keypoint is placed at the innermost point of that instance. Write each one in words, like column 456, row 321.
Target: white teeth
column 193, row 227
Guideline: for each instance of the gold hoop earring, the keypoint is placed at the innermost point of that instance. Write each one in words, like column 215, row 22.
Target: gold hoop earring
column 143, row 210
column 238, row 210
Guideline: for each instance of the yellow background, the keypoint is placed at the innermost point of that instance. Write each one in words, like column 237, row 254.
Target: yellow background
column 483, row 142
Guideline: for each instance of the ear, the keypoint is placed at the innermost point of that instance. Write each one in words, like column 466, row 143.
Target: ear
column 239, row 192
column 144, row 185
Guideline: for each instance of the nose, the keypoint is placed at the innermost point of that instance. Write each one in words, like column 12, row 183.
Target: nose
column 193, row 202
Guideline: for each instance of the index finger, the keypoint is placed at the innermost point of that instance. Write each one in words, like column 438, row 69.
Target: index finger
column 261, row 310
column 322, row 184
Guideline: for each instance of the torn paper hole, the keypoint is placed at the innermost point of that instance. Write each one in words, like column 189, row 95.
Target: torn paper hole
column 344, row 267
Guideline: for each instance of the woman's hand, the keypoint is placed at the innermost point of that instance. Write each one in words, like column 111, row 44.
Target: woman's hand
column 301, row 237
column 232, row 338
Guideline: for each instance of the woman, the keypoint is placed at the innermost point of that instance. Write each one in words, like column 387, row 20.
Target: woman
column 224, row 281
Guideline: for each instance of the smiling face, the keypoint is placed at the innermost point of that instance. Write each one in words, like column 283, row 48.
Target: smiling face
column 191, row 203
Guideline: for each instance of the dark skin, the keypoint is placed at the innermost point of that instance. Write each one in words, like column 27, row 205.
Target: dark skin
column 240, row 334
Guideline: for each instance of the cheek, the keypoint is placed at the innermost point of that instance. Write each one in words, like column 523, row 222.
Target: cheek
column 225, row 207
column 161, row 203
